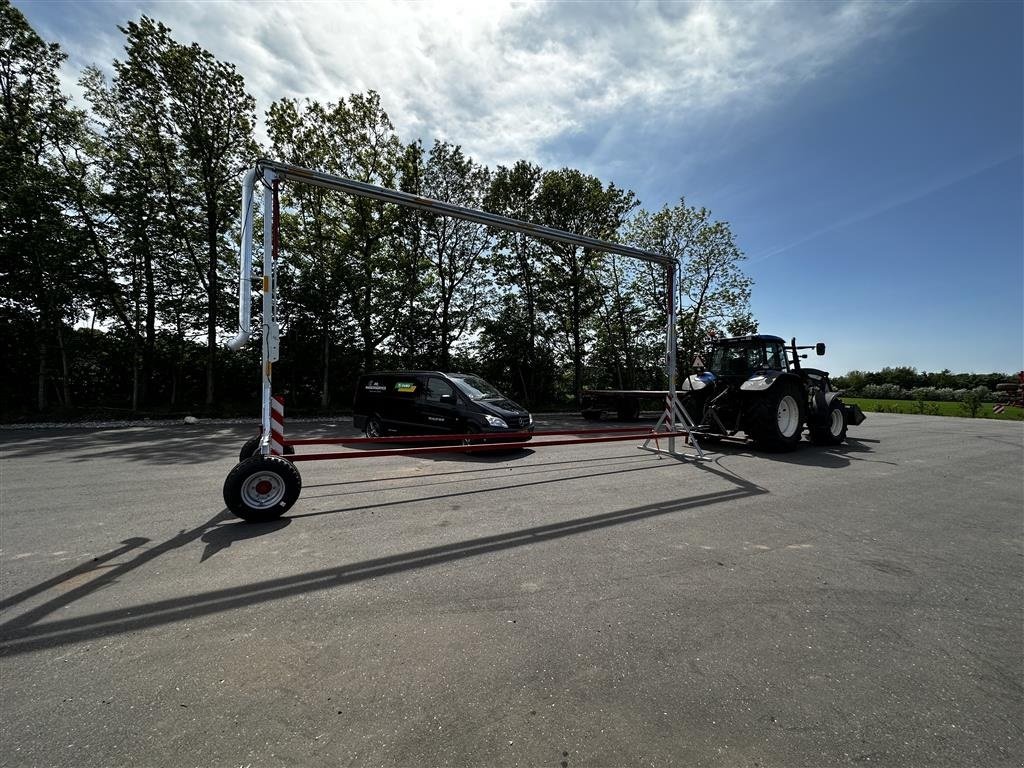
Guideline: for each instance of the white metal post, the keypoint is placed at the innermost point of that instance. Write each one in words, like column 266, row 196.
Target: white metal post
column 245, row 265
column 268, row 321
column 670, row 352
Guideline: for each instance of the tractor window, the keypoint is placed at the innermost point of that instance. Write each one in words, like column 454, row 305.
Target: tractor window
column 731, row 361
column 774, row 357
column 755, row 358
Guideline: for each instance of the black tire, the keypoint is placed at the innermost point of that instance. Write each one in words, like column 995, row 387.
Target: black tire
column 374, row 426
column 629, row 409
column 775, row 419
column 251, row 447
column 833, row 432
column 592, row 415
column 472, row 429
column 262, row 488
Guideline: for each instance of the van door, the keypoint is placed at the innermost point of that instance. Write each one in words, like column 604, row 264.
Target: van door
column 438, row 406
column 404, row 392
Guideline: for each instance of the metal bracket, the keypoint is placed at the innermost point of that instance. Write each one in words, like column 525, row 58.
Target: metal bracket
column 675, row 413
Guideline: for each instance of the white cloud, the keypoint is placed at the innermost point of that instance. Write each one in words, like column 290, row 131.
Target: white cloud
column 504, row 79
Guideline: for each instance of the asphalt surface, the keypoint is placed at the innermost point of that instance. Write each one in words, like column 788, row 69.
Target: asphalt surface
column 564, row 606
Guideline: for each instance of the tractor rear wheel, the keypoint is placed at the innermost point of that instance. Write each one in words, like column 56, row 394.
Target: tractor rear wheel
column 775, row 419
column 833, row 432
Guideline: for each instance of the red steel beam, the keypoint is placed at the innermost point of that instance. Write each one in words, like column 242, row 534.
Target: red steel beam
column 642, row 429
column 474, row 447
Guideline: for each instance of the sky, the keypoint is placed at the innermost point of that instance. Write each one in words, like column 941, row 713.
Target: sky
column 868, row 156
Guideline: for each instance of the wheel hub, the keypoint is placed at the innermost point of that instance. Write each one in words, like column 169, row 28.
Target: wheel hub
column 788, row 416
column 263, row 490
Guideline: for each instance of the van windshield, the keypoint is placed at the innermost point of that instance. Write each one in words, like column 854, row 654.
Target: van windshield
column 475, row 388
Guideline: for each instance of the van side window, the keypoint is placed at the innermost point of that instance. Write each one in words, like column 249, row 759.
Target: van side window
column 436, row 388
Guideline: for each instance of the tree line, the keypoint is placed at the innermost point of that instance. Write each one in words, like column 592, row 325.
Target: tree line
column 907, row 383
column 119, row 238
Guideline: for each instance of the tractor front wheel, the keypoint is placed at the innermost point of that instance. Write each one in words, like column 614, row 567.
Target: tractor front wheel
column 833, row 431
column 775, row 419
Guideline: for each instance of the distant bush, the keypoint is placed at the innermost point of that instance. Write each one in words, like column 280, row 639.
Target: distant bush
column 885, row 392
column 921, row 394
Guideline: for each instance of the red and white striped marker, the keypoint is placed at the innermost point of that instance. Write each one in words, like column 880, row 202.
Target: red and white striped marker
column 277, row 425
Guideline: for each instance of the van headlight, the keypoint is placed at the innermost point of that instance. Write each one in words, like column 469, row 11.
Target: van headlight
column 494, row 421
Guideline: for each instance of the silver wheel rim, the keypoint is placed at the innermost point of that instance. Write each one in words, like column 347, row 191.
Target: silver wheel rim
column 788, row 416
column 372, row 428
column 263, row 490
column 837, row 423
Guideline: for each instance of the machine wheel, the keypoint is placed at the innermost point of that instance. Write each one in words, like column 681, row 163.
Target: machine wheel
column 629, row 409
column 251, row 447
column 592, row 415
column 776, row 419
column 262, row 488
column 374, row 427
column 834, row 430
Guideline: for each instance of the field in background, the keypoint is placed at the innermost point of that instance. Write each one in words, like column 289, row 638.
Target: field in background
column 932, row 408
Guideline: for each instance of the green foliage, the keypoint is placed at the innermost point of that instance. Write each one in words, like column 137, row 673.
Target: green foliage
column 971, row 400
column 931, row 408
column 935, row 386
column 714, row 291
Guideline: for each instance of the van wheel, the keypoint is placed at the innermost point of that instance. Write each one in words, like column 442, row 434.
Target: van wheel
column 471, row 429
column 373, row 427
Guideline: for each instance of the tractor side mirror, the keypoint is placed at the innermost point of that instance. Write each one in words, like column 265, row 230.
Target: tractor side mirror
column 819, row 349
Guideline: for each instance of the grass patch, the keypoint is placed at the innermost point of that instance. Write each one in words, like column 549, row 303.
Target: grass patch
column 932, row 408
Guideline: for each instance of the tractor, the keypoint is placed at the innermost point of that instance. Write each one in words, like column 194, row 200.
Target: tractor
column 756, row 385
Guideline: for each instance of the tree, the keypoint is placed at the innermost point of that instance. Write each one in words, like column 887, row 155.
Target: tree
column 714, row 292
column 570, row 200
column 361, row 277
column 178, row 122
column 309, row 268
column 515, row 261
column 40, row 262
column 454, row 248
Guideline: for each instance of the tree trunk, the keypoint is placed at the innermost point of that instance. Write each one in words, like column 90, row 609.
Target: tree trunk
column 325, row 392
column 211, row 299
column 65, row 374
column 41, row 403
column 149, row 348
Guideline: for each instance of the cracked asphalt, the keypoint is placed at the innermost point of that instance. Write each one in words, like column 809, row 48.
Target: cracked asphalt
column 565, row 606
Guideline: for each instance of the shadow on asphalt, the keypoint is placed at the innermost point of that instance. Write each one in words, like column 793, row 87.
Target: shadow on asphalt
column 157, row 445
column 806, row 454
column 458, row 473
column 22, row 634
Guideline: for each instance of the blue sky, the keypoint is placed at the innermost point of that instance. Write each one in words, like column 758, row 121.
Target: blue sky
column 868, row 156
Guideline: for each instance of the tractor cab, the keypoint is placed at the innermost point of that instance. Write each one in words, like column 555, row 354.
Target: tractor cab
column 736, row 360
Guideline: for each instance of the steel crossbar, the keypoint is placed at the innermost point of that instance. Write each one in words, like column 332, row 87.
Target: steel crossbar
column 639, row 431
column 474, row 447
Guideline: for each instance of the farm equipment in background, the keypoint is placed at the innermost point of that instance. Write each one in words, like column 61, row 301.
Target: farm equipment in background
column 756, row 385
column 1010, row 394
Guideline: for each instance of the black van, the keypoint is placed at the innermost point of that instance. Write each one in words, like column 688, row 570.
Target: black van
column 431, row 402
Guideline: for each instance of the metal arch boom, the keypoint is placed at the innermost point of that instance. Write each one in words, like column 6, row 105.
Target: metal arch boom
column 294, row 173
